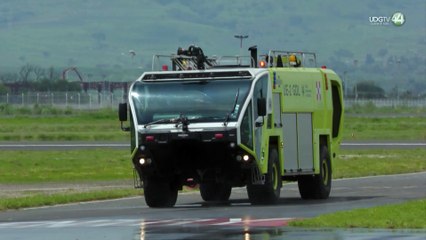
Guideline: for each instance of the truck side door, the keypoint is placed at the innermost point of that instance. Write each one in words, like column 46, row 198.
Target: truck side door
column 260, row 91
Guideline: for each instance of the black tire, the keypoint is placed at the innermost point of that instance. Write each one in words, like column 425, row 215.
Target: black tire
column 213, row 191
column 318, row 186
column 159, row 193
column 269, row 192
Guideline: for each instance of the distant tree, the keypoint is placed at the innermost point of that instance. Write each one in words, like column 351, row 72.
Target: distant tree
column 3, row 89
column 52, row 74
column 369, row 90
column 38, row 72
column 9, row 77
column 56, row 85
column 25, row 72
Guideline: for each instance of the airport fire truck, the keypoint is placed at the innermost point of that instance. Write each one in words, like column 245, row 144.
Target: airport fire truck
column 224, row 122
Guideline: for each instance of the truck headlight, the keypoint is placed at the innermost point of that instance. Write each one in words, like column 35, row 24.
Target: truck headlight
column 145, row 161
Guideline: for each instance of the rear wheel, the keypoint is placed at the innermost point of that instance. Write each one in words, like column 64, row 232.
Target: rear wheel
column 214, row 191
column 318, row 186
column 159, row 193
column 270, row 191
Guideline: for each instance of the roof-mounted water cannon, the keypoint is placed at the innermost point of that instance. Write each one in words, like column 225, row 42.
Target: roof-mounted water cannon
column 197, row 52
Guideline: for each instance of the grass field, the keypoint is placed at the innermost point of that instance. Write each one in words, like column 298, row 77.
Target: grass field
column 62, row 198
column 113, row 164
column 358, row 163
column 31, row 124
column 49, row 124
column 35, row 167
column 402, row 216
column 384, row 128
column 64, row 166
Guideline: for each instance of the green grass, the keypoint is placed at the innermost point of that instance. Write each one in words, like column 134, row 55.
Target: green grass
column 112, row 164
column 31, row 124
column 63, row 166
column 358, row 163
column 381, row 128
column 60, row 125
column 54, row 199
column 396, row 216
column 370, row 109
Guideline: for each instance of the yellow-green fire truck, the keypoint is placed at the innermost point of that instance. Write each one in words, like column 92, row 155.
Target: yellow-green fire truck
column 225, row 122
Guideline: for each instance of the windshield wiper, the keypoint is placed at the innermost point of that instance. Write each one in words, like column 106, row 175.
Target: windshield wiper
column 181, row 119
column 163, row 120
column 225, row 123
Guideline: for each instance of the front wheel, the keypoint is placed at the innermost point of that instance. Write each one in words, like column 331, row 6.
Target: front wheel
column 270, row 191
column 318, row 186
column 159, row 193
column 213, row 191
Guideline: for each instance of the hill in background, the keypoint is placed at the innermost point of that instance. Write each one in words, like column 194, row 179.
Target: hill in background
column 96, row 36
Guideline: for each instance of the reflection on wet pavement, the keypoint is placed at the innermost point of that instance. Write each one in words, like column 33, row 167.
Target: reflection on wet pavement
column 261, row 229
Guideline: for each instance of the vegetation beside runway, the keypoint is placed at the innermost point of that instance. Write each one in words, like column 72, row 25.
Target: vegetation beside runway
column 40, row 199
column 407, row 215
column 103, row 164
column 92, row 165
column 65, row 165
column 397, row 128
column 44, row 123
column 360, row 163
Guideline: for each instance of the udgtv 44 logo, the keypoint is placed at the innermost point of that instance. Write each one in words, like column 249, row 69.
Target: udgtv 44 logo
column 397, row 19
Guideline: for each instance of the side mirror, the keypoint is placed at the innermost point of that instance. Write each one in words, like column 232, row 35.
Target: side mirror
column 259, row 121
column 122, row 115
column 261, row 107
column 122, row 112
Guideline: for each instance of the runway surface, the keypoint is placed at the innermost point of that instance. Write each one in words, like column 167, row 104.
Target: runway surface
column 192, row 218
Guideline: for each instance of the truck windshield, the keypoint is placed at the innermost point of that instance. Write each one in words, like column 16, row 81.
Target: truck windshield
column 198, row 100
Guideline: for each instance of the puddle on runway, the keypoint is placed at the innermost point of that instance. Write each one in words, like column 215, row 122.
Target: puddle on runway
column 231, row 232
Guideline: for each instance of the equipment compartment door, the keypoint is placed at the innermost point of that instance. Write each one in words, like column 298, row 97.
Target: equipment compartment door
column 298, row 146
column 305, row 149
column 290, row 142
